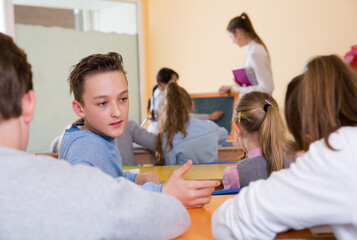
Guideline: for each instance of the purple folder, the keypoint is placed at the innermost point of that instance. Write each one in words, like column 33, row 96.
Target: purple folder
column 245, row 76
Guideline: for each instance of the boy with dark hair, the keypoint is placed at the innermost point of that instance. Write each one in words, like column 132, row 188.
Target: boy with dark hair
column 100, row 90
column 43, row 198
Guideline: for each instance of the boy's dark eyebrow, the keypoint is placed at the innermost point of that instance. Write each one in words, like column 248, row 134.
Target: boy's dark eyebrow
column 103, row 96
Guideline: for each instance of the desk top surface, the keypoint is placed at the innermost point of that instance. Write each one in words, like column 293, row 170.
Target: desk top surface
column 200, row 228
column 197, row 172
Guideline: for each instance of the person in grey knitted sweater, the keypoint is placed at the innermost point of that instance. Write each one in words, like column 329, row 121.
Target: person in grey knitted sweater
column 133, row 133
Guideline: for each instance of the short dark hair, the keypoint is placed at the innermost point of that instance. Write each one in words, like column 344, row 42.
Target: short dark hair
column 15, row 78
column 165, row 75
column 93, row 64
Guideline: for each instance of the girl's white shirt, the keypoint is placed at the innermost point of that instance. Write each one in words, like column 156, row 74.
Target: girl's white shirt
column 155, row 103
column 319, row 189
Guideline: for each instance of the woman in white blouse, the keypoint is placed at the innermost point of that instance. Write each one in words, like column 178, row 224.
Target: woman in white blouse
column 243, row 34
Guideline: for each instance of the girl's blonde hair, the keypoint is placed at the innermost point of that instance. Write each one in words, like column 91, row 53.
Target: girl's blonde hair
column 328, row 98
column 259, row 112
column 175, row 114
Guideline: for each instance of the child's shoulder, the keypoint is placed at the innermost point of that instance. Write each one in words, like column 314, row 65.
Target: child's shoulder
column 80, row 136
column 258, row 160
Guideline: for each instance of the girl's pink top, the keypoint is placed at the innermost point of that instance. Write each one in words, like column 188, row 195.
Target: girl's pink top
column 230, row 177
column 299, row 154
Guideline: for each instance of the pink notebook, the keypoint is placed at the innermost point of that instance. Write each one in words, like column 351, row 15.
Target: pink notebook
column 245, row 76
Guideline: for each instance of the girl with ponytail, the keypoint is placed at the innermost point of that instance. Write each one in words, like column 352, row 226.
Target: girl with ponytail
column 181, row 135
column 164, row 76
column 261, row 133
column 242, row 32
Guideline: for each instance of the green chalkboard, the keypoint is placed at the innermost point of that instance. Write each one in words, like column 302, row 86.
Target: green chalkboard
column 211, row 104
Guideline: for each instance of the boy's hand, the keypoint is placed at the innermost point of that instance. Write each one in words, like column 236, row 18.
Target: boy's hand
column 192, row 194
column 142, row 178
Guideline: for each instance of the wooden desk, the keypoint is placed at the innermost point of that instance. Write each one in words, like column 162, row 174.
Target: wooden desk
column 197, row 172
column 200, row 228
column 144, row 156
column 54, row 155
column 225, row 154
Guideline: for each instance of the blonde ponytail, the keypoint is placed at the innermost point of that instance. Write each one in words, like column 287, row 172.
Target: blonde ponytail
column 259, row 112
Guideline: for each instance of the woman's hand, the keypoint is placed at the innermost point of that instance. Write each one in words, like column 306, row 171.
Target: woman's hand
column 224, row 89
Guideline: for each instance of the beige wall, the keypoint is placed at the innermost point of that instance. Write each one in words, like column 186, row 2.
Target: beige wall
column 189, row 36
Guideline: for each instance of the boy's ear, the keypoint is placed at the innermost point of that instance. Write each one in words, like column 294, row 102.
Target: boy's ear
column 237, row 129
column 28, row 102
column 78, row 109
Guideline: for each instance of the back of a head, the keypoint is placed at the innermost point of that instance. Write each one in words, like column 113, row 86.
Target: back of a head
column 93, row 64
column 259, row 112
column 292, row 115
column 328, row 98
column 15, row 78
column 243, row 22
column 176, row 109
column 164, row 75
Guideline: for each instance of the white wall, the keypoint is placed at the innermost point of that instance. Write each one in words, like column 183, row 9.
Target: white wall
column 52, row 51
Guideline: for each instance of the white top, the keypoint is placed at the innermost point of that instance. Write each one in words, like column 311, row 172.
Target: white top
column 258, row 59
column 319, row 189
column 155, row 102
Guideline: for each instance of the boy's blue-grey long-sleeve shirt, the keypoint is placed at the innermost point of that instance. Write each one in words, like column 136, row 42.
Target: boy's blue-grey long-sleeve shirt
column 80, row 146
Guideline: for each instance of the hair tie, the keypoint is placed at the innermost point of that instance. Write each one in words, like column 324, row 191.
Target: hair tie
column 239, row 116
column 267, row 105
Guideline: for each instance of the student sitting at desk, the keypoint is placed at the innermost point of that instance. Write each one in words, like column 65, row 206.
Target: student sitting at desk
column 100, row 89
column 43, row 198
column 133, row 133
column 181, row 135
column 164, row 77
column 261, row 132
column 320, row 187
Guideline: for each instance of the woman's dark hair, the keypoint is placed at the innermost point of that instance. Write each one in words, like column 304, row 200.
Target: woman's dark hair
column 243, row 22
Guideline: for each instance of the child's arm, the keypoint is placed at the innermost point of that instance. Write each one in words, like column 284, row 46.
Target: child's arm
column 142, row 137
column 230, row 178
column 222, row 133
column 192, row 194
column 80, row 151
